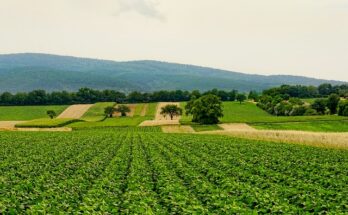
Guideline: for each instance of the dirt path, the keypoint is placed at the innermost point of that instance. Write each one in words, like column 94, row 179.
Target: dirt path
column 177, row 129
column 8, row 125
column 162, row 120
column 144, row 110
column 236, row 127
column 74, row 111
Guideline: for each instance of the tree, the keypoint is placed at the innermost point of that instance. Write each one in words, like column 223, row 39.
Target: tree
column 109, row 111
column 51, row 113
column 332, row 103
column 343, row 108
column 319, row 105
column 171, row 110
column 325, row 89
column 241, row 98
column 253, row 95
column 123, row 109
column 205, row 110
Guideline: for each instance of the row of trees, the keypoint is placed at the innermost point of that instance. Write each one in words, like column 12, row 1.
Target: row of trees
column 299, row 91
column 281, row 105
column 87, row 95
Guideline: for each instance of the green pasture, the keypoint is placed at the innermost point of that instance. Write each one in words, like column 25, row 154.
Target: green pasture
column 111, row 122
column 248, row 112
column 199, row 128
column 46, row 123
column 14, row 113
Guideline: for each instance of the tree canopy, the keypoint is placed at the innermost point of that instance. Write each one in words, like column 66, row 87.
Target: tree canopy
column 205, row 110
column 171, row 110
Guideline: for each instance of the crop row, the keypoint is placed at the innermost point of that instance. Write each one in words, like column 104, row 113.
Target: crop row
column 123, row 171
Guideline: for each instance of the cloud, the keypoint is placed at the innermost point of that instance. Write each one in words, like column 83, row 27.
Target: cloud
column 146, row 8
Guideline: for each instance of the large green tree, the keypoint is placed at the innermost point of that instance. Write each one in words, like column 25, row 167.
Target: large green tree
column 171, row 110
column 332, row 103
column 123, row 109
column 319, row 105
column 205, row 110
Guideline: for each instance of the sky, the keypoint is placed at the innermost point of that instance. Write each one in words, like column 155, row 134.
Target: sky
column 295, row 37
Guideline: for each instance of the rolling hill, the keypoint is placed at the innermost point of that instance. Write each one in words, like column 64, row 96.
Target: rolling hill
column 25, row 72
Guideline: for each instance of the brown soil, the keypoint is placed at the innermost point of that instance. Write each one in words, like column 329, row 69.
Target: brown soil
column 177, row 129
column 8, row 125
column 74, row 111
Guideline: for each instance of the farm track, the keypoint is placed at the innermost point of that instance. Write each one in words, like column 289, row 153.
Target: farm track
column 74, row 111
column 134, row 172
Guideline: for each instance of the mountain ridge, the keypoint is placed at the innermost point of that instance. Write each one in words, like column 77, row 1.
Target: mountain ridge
column 29, row 71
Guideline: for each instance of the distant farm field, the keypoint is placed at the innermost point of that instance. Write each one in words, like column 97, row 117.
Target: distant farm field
column 143, row 171
column 8, row 113
column 96, row 112
column 248, row 112
column 45, row 123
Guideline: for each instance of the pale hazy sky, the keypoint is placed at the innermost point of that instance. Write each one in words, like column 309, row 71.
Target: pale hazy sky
column 297, row 37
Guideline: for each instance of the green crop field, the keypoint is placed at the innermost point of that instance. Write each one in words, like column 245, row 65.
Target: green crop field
column 249, row 113
column 113, row 171
column 8, row 113
column 319, row 126
column 46, row 123
column 96, row 112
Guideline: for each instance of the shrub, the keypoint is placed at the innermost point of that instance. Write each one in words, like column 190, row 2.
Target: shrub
column 310, row 112
column 343, row 108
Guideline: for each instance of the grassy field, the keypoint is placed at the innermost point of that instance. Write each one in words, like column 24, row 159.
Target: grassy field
column 111, row 122
column 115, row 171
column 13, row 113
column 318, row 126
column 96, row 112
column 249, row 113
column 46, row 123
column 118, row 121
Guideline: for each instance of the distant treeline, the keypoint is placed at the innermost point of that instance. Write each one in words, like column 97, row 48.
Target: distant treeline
column 87, row 95
column 300, row 91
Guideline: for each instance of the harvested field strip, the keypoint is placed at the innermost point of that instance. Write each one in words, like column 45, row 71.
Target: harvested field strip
column 321, row 139
column 8, row 125
column 177, row 129
column 125, row 171
column 74, row 111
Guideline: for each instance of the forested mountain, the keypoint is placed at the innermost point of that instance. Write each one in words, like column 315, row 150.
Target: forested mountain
column 25, row 72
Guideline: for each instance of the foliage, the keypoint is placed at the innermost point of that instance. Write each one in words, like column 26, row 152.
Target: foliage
column 205, row 110
column 343, row 108
column 332, row 103
column 51, row 113
column 253, row 95
column 118, row 171
column 241, row 98
column 109, row 111
column 123, row 109
column 19, row 113
column 171, row 110
column 319, row 105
